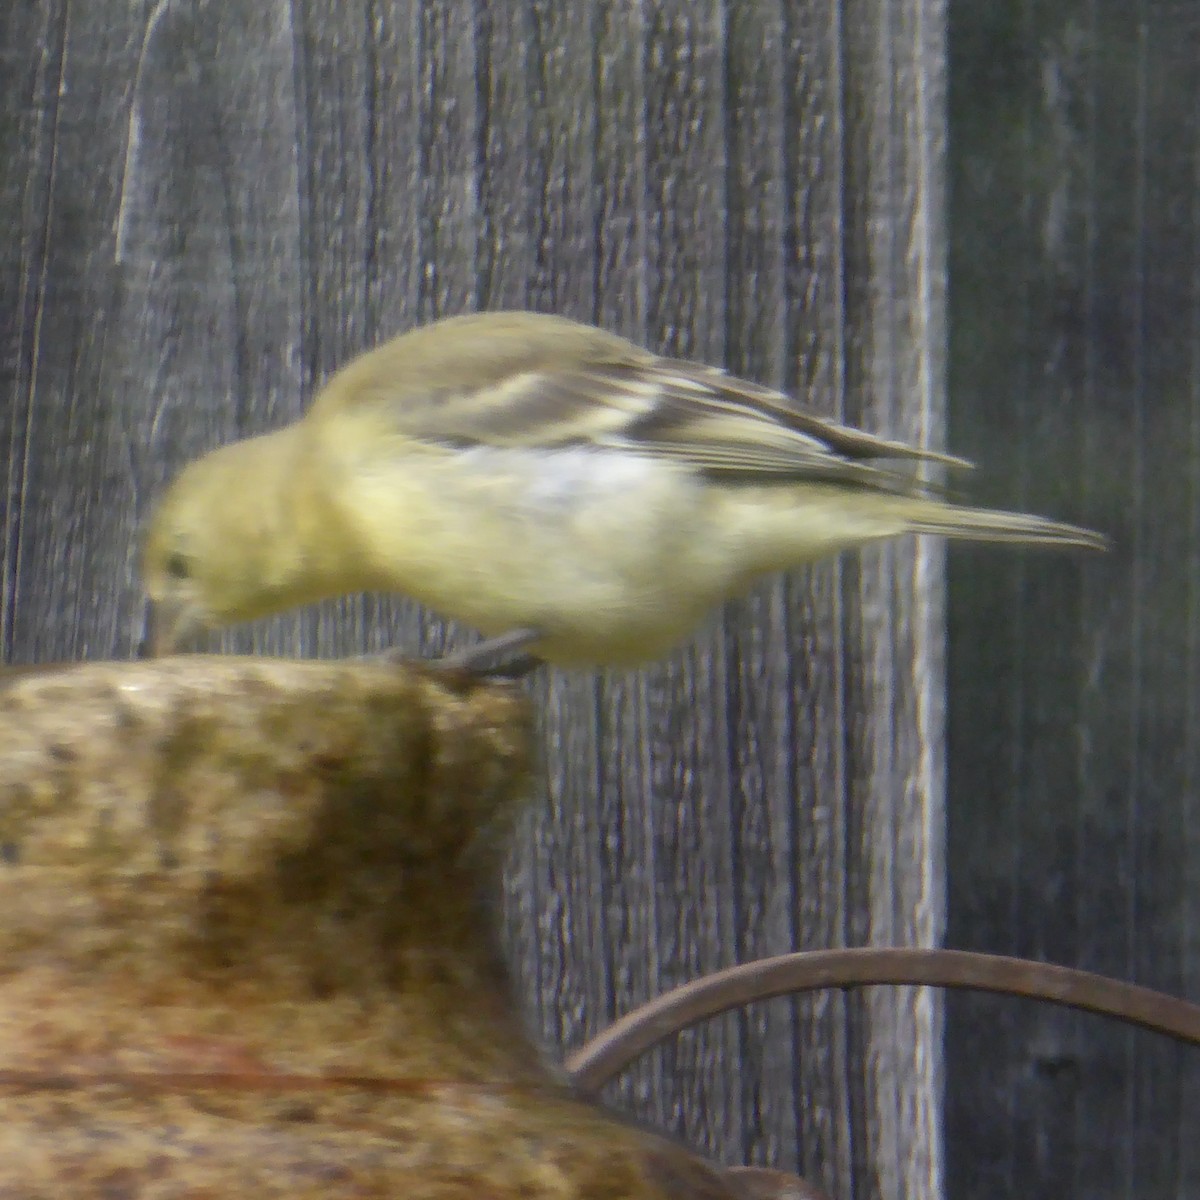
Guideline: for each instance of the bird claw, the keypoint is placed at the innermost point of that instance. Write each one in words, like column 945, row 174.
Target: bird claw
column 502, row 657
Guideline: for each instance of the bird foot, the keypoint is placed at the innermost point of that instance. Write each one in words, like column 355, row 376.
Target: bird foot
column 501, row 657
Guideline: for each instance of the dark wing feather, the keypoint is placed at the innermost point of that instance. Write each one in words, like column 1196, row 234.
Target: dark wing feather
column 722, row 417
column 730, row 429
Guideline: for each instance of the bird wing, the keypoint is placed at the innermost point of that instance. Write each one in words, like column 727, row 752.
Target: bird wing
column 727, row 428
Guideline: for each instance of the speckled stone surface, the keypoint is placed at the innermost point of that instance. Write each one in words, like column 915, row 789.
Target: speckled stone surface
column 247, row 946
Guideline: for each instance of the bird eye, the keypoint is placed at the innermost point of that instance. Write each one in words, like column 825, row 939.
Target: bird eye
column 177, row 567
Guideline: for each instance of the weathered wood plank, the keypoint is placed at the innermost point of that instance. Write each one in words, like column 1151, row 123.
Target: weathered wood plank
column 627, row 872
column 71, row 484
column 360, row 126
column 758, row 689
column 1073, row 742
column 815, row 372
column 537, row 75
column 685, row 784
column 895, row 323
column 31, row 58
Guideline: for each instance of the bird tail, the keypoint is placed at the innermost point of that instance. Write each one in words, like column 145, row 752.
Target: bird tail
column 992, row 525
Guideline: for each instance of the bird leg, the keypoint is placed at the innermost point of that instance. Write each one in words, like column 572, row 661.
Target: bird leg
column 500, row 657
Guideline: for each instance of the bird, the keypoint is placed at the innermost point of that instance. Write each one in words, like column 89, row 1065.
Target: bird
column 570, row 494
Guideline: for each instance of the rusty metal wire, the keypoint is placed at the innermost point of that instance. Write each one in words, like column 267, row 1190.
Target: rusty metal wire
column 607, row 1055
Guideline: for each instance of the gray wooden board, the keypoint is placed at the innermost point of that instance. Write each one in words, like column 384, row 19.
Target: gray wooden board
column 210, row 206
column 1073, row 732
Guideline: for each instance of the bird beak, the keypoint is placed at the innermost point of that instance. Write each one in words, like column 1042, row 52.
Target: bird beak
column 170, row 623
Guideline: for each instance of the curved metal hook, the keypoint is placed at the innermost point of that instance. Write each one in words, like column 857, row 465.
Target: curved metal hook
column 606, row 1055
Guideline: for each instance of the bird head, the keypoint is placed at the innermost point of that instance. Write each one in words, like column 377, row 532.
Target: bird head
column 207, row 553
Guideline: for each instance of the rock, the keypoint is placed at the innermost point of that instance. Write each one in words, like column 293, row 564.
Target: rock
column 249, row 945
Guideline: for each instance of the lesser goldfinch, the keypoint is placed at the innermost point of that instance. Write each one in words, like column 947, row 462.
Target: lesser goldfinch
column 533, row 476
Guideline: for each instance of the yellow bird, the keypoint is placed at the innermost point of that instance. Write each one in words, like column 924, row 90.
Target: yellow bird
column 544, row 481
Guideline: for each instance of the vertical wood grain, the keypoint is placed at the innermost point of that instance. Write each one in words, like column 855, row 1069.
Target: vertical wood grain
column 362, row 123
column 206, row 246
column 73, row 494
column 686, row 782
column 895, row 323
column 539, row 211
column 1075, row 140
column 758, row 689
